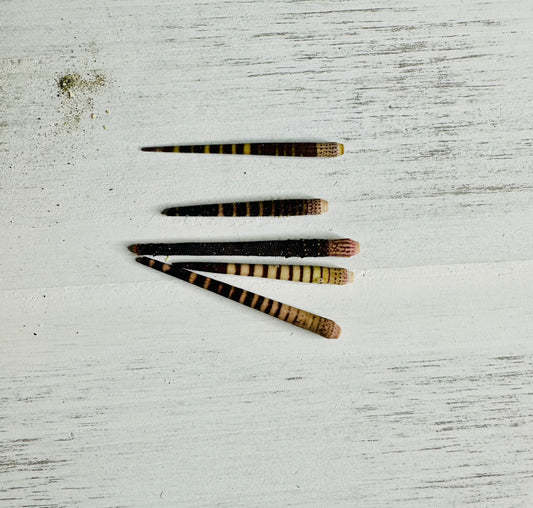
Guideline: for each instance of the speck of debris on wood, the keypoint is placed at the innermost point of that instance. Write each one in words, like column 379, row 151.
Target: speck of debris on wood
column 70, row 83
column 77, row 91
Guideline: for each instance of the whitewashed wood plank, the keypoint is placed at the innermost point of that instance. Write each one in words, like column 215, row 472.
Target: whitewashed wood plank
column 120, row 388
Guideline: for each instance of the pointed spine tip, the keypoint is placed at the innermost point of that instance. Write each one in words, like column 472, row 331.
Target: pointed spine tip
column 171, row 212
column 134, row 249
column 143, row 260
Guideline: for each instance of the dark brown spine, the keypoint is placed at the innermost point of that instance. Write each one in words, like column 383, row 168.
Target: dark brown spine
column 292, row 315
column 271, row 208
column 302, row 149
column 271, row 248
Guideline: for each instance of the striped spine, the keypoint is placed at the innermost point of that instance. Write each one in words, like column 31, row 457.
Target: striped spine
column 295, row 273
column 344, row 247
column 301, row 318
column 328, row 149
column 272, row 208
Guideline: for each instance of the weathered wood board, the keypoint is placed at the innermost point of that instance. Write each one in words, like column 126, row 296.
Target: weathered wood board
column 119, row 387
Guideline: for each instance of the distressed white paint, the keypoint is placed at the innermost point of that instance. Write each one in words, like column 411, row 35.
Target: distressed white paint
column 119, row 387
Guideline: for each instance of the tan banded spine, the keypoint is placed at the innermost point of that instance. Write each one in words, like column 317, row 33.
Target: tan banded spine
column 292, row 315
column 294, row 273
column 270, row 208
column 302, row 149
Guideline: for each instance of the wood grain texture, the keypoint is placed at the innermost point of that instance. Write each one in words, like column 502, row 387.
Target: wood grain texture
column 106, row 398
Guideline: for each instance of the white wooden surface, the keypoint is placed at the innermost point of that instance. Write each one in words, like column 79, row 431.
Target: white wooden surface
column 119, row 387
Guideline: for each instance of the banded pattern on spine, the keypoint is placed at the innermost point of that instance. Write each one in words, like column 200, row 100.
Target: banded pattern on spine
column 344, row 247
column 292, row 315
column 306, row 149
column 295, row 273
column 271, row 208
